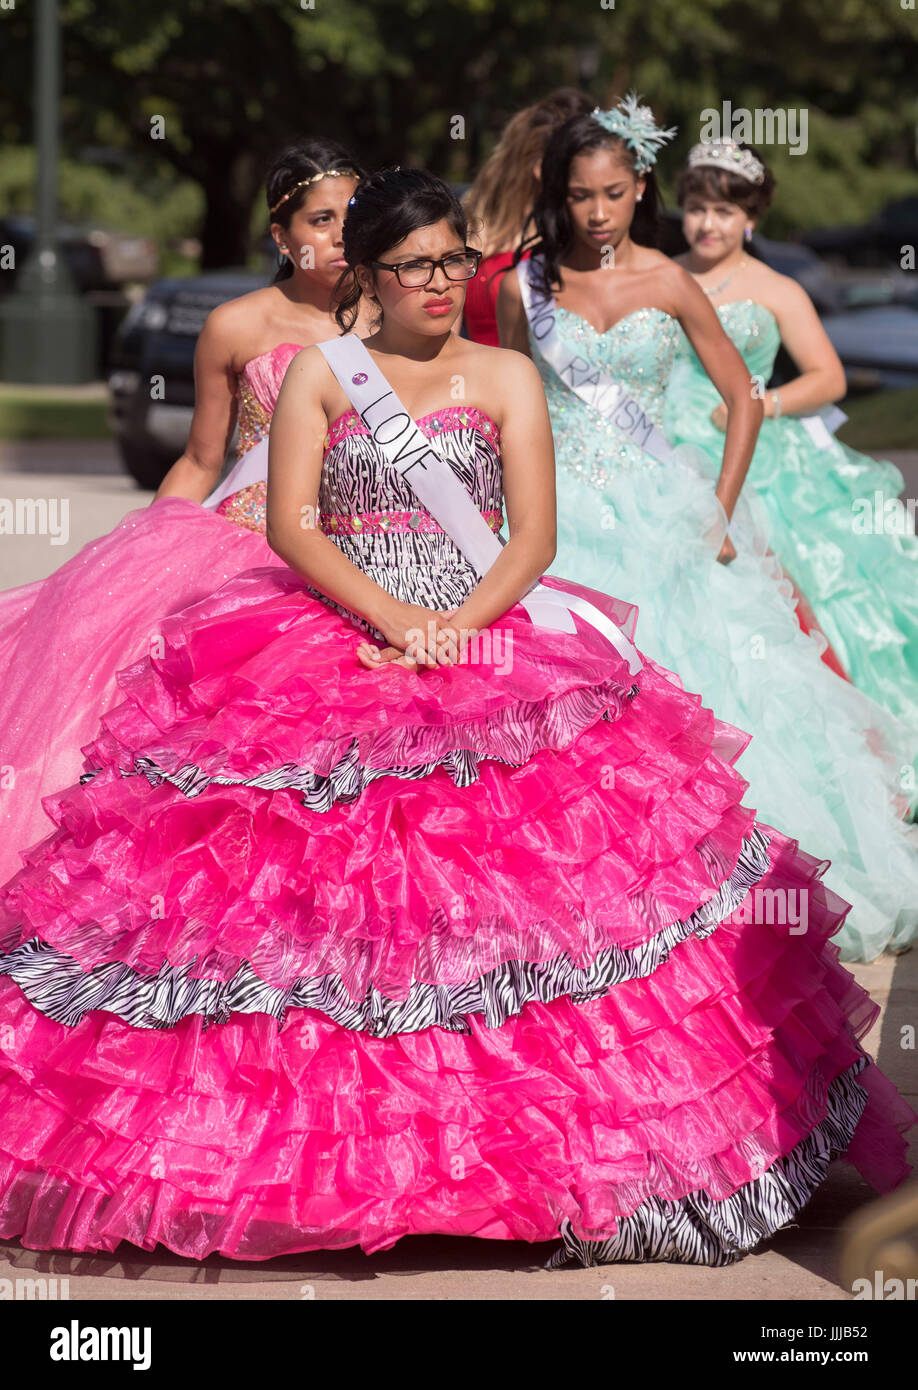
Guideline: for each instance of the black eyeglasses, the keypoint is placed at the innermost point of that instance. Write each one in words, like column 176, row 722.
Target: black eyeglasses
column 413, row 275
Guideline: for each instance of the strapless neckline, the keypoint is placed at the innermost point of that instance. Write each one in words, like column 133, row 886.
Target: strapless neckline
column 297, row 347
column 447, row 412
column 757, row 303
column 603, row 332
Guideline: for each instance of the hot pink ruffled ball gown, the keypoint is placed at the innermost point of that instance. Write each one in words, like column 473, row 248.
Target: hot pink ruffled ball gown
column 319, row 957
column 63, row 639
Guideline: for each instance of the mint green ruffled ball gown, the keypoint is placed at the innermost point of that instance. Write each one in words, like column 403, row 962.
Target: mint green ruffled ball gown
column 833, row 517
column 825, row 761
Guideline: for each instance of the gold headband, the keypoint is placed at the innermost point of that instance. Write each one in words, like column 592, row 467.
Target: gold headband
column 325, row 174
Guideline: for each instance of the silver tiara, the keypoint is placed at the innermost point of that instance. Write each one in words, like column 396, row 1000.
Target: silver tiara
column 635, row 125
column 726, row 154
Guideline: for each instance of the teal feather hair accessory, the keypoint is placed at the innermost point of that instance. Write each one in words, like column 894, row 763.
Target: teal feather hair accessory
column 635, row 124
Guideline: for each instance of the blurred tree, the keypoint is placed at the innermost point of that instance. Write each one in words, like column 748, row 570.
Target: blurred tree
column 432, row 81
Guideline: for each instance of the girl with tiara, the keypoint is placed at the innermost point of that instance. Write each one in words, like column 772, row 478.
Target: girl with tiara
column 452, row 929
column 62, row 639
column 500, row 200
column 601, row 313
column 833, row 515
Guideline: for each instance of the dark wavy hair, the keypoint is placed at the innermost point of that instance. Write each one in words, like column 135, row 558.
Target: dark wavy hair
column 707, row 182
column 553, row 233
column 301, row 161
column 387, row 207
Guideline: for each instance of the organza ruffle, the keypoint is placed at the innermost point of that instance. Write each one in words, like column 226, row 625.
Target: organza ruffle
column 56, row 984
column 263, row 676
column 699, row 1229
column 825, row 762
column 64, row 638
column 601, row 844
column 835, row 521
column 600, row 829
column 253, row 1142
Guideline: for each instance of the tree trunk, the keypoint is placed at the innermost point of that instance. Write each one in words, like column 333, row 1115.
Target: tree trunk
column 230, row 188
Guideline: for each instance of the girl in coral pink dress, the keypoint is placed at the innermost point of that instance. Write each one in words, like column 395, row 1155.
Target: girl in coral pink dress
column 400, row 895
column 62, row 639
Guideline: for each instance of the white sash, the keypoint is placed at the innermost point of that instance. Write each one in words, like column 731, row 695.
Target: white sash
column 822, row 426
column 594, row 387
column 408, row 450
column 251, row 468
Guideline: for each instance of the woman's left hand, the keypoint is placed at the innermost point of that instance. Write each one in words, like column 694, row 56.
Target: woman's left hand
column 727, row 552
column 375, row 658
column 719, row 417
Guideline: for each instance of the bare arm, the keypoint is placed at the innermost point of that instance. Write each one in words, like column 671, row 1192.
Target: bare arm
column 729, row 373
column 296, row 445
column 822, row 376
column 294, row 470
column 195, row 474
column 511, row 316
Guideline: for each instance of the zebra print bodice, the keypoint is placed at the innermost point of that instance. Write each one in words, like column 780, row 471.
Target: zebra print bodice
column 373, row 516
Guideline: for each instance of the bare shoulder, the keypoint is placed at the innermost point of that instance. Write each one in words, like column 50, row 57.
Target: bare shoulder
column 495, row 363
column 309, row 363
column 782, row 290
column 512, row 379
column 674, row 288
column 233, row 326
column 245, row 311
column 670, row 273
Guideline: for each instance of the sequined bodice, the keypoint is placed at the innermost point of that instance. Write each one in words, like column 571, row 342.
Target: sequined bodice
column 257, row 389
column 752, row 328
column 638, row 353
column 371, row 513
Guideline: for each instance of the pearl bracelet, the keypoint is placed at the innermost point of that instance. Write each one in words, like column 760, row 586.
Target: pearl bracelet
column 776, row 403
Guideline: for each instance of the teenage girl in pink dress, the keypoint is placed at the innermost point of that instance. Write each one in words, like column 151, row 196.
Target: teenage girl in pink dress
column 362, row 926
column 62, row 639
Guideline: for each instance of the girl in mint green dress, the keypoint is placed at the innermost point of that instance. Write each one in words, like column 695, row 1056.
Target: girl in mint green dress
column 602, row 317
column 833, row 516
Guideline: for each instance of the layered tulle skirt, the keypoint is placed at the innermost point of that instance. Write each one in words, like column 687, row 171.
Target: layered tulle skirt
column 837, row 524
column 319, row 957
column 826, row 763
column 63, row 639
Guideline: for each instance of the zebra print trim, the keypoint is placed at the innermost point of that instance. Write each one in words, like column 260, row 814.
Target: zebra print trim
column 349, row 777
column 700, row 1230
column 57, row 985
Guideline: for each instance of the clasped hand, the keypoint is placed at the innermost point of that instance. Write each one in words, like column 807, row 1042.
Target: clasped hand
column 416, row 637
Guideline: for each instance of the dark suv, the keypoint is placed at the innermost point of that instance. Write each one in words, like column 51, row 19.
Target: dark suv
column 151, row 378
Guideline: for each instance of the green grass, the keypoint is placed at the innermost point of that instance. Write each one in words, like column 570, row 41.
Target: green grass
column 881, row 420
column 35, row 412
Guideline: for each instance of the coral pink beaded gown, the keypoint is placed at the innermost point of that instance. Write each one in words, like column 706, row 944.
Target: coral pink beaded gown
column 63, row 639
column 320, row 957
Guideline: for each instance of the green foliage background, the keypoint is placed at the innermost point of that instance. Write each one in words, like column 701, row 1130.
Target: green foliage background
column 235, row 79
